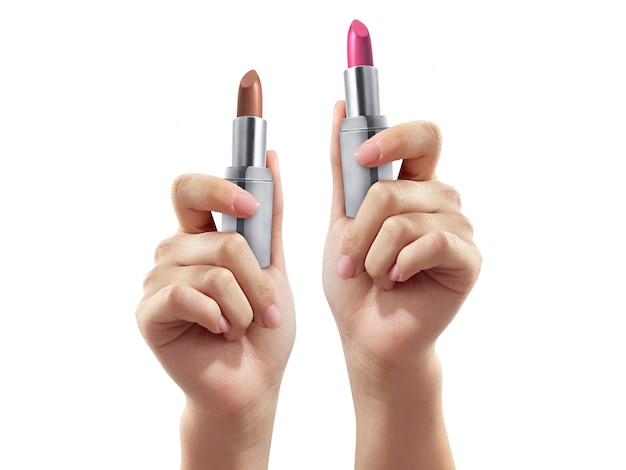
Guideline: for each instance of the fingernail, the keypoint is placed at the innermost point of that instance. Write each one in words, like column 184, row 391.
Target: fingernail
column 346, row 267
column 224, row 325
column 394, row 273
column 245, row 203
column 368, row 153
column 272, row 318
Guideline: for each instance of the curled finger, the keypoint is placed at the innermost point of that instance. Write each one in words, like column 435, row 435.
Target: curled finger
column 451, row 261
column 170, row 312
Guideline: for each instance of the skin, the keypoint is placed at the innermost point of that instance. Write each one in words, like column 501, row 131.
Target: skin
column 204, row 315
column 395, row 277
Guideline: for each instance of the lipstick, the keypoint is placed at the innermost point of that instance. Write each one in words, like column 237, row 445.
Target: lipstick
column 248, row 169
column 363, row 118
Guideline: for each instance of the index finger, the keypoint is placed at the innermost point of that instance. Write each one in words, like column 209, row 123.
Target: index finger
column 417, row 143
column 195, row 196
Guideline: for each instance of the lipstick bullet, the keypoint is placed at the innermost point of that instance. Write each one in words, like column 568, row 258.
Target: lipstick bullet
column 249, row 169
column 363, row 119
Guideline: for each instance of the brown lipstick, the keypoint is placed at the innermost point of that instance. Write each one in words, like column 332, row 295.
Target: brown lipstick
column 248, row 169
column 250, row 99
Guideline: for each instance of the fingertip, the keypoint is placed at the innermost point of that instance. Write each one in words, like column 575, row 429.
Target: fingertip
column 368, row 153
column 224, row 325
column 245, row 203
column 394, row 273
column 272, row 318
column 272, row 159
column 339, row 110
column 346, row 268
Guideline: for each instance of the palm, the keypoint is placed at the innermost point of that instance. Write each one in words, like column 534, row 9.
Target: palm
column 228, row 376
column 388, row 325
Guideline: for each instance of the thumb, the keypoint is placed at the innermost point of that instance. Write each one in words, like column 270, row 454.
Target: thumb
column 337, row 207
column 277, row 257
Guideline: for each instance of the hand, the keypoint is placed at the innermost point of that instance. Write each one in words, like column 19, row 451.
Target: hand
column 197, row 317
column 396, row 275
column 394, row 278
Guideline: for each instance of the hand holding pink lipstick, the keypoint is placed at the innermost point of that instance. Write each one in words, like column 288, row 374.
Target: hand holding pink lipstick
column 396, row 271
column 395, row 277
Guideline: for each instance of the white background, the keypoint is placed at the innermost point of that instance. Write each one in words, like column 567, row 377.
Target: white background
column 102, row 104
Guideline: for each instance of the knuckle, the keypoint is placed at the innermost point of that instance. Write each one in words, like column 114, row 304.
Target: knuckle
column 234, row 245
column 176, row 295
column 179, row 187
column 219, row 280
column 140, row 314
column 352, row 244
column 438, row 241
column 466, row 225
column 425, row 133
column 381, row 195
column 149, row 279
column 396, row 227
column 264, row 294
column 163, row 249
column 435, row 135
column 451, row 195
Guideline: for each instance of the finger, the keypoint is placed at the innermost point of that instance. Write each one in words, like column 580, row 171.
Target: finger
column 418, row 143
column 277, row 256
column 230, row 250
column 400, row 230
column 169, row 313
column 220, row 284
column 337, row 207
column 450, row 260
column 194, row 196
column 383, row 200
column 215, row 282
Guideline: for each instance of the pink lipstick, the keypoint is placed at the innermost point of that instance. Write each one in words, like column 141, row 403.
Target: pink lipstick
column 363, row 118
column 359, row 45
column 249, row 171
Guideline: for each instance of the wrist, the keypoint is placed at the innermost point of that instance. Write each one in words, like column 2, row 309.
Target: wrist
column 376, row 364
column 399, row 414
column 240, row 441
column 378, row 382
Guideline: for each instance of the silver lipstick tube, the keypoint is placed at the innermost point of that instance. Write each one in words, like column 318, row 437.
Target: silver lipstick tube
column 250, row 173
column 363, row 120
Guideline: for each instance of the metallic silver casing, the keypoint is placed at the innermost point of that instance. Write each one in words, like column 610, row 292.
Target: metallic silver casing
column 362, row 122
column 250, row 173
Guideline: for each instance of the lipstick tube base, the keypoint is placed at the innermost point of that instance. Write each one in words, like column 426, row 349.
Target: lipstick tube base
column 257, row 229
column 357, row 179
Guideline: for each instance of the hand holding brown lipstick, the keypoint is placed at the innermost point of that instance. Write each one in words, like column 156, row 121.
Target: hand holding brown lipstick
column 221, row 326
